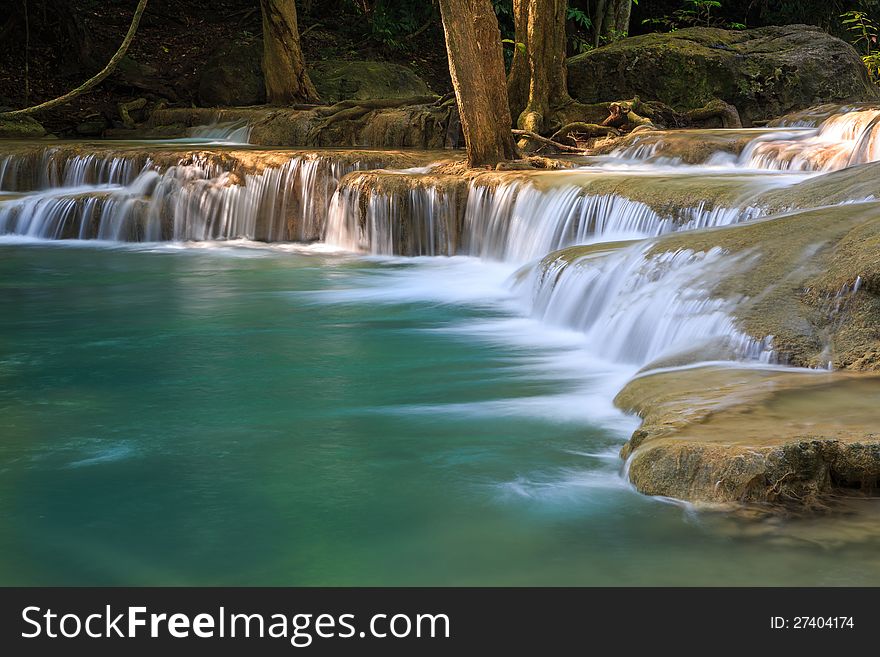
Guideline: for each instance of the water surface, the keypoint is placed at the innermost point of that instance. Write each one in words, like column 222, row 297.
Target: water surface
column 288, row 416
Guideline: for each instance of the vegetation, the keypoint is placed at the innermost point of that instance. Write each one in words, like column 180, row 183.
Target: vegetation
column 863, row 30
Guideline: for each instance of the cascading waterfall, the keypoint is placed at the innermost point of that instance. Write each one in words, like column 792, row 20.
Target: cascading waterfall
column 636, row 307
column 131, row 198
column 519, row 222
column 514, row 221
column 230, row 132
column 840, row 141
column 824, row 139
column 420, row 220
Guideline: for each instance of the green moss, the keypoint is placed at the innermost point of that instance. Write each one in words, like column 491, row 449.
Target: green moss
column 21, row 128
column 763, row 72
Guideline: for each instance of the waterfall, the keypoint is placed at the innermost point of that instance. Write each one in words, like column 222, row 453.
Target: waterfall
column 636, row 307
column 56, row 167
column 820, row 139
column 130, row 197
column 410, row 219
column 518, row 221
column 841, row 140
column 229, row 132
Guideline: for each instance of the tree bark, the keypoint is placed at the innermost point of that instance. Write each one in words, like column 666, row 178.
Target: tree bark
column 545, row 45
column 518, row 78
column 284, row 68
column 476, row 65
column 610, row 20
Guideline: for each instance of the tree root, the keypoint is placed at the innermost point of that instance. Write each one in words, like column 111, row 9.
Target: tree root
column 125, row 108
column 370, row 104
column 716, row 108
column 533, row 136
column 586, row 129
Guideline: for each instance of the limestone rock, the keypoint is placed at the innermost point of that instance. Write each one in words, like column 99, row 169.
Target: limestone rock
column 763, row 72
column 338, row 80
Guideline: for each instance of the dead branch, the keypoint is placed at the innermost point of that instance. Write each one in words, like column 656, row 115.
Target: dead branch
column 93, row 81
column 528, row 134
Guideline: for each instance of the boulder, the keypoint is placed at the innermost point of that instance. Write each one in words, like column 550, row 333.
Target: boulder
column 338, row 80
column 763, row 72
column 233, row 77
column 20, row 128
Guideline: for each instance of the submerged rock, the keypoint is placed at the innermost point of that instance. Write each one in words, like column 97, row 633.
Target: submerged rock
column 763, row 72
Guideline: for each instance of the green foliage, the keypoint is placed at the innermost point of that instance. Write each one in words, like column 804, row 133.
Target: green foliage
column 579, row 18
column 578, row 40
column 392, row 22
column 504, row 12
column 519, row 45
column 693, row 13
column 863, row 31
column 862, row 28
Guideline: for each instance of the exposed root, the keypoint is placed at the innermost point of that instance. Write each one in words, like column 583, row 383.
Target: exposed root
column 716, row 108
column 584, row 130
column 533, row 136
column 368, row 105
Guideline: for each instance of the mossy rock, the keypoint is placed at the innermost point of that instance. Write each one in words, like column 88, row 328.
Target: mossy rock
column 21, row 128
column 233, row 77
column 338, row 80
column 763, row 72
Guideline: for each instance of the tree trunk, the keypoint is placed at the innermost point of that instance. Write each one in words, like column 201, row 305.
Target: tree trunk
column 545, row 46
column 518, row 78
column 610, row 20
column 283, row 64
column 476, row 65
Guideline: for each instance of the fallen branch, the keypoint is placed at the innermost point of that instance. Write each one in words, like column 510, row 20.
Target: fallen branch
column 125, row 108
column 528, row 134
column 91, row 82
column 309, row 29
column 586, row 129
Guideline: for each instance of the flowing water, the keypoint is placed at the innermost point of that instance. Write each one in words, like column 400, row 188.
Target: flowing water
column 187, row 396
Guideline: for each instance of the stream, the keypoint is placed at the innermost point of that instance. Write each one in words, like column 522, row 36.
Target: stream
column 228, row 365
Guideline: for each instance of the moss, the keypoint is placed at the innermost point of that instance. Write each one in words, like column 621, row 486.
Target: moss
column 21, row 128
column 763, row 72
column 338, row 80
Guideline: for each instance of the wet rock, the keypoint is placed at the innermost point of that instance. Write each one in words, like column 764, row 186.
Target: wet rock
column 21, row 128
column 770, row 437
column 763, row 72
column 338, row 80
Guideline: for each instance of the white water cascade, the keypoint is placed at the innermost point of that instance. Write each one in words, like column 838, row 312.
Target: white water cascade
column 229, row 132
column 636, row 307
column 824, row 139
column 519, row 222
column 131, row 198
column 841, row 140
